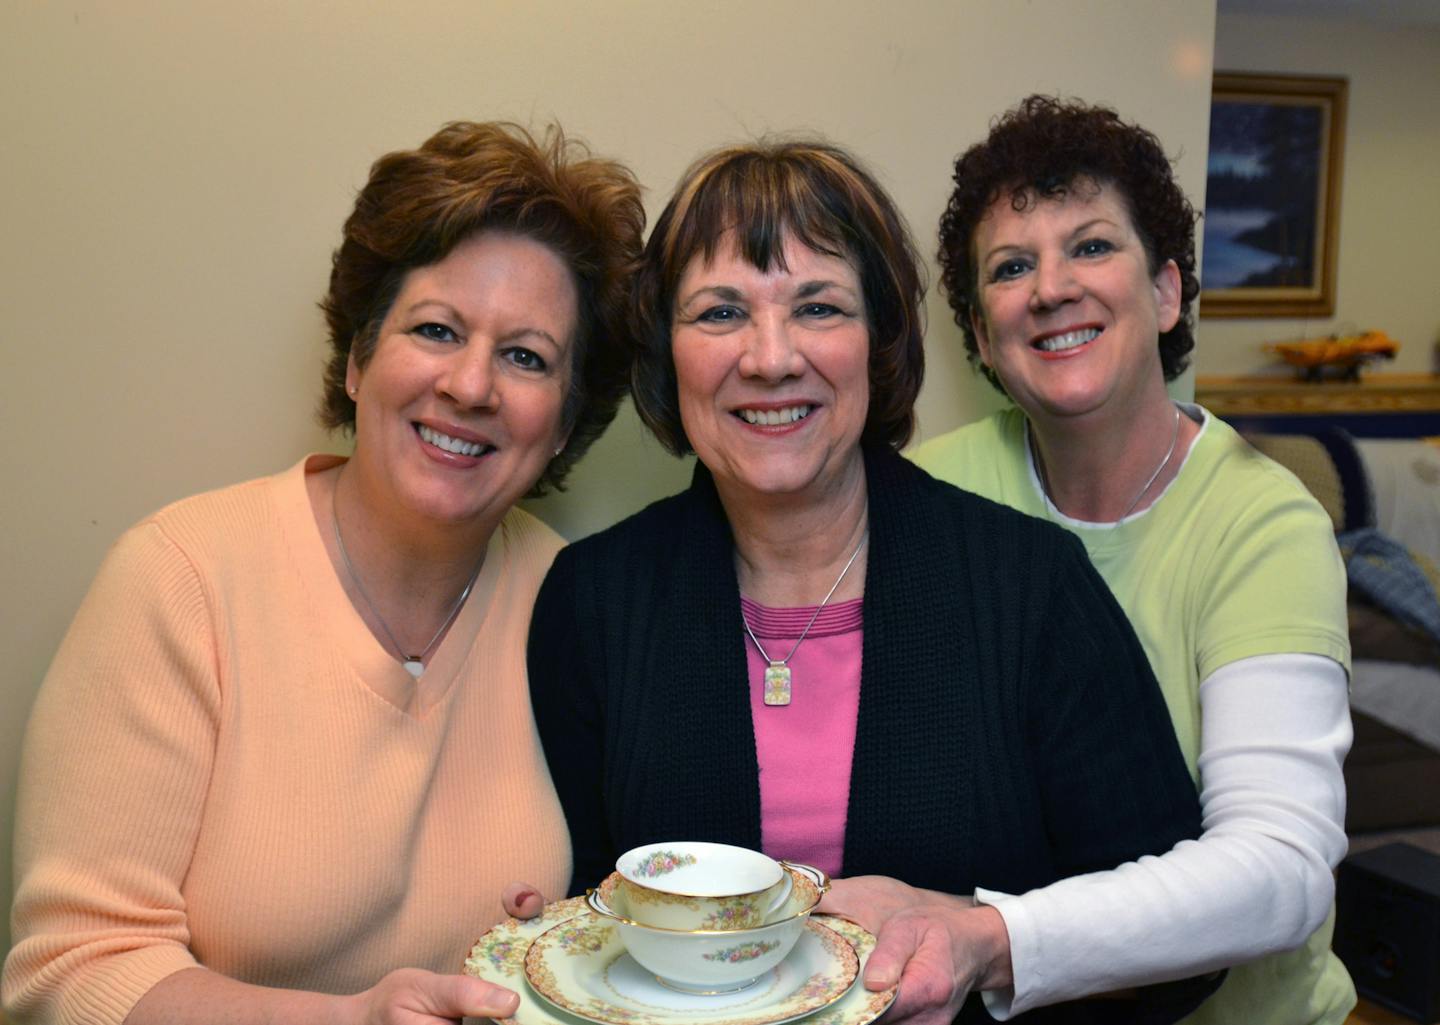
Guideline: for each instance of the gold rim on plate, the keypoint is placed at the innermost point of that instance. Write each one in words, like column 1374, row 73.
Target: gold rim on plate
column 499, row 957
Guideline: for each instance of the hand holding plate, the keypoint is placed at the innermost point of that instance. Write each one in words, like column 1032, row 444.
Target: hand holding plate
column 411, row 996
column 938, row 955
column 869, row 901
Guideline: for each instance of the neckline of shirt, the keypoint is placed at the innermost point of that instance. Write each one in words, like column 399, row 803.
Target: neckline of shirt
column 1189, row 409
column 839, row 617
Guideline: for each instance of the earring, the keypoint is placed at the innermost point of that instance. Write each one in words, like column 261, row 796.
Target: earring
column 559, row 450
column 353, row 390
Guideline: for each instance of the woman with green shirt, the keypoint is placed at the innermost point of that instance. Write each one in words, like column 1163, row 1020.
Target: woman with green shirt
column 1067, row 254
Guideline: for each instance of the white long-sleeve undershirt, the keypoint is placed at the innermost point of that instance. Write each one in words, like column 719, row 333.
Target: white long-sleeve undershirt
column 1274, row 733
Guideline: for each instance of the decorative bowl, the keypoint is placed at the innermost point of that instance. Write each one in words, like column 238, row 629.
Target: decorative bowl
column 713, row 960
column 698, row 885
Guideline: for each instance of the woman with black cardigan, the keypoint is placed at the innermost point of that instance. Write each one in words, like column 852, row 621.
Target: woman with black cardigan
column 818, row 650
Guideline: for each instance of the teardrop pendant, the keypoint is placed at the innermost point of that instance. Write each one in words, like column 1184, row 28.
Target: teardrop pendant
column 414, row 667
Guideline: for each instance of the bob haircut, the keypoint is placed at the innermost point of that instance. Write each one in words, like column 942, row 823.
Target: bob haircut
column 1047, row 148
column 420, row 204
column 822, row 197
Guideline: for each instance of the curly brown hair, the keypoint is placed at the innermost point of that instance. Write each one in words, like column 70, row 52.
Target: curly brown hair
column 823, row 198
column 1041, row 150
column 420, row 204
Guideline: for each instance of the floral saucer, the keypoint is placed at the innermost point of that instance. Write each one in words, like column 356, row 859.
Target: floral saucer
column 582, row 966
column 598, row 986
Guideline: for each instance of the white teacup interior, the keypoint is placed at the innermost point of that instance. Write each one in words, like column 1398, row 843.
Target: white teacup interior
column 699, row 869
column 799, row 894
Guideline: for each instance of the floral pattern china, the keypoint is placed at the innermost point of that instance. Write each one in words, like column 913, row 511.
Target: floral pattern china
column 569, row 967
column 581, row 965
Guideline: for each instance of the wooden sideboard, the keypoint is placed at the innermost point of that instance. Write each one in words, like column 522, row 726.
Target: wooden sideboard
column 1376, row 406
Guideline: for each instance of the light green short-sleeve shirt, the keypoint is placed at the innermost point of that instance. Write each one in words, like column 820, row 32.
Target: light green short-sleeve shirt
column 1235, row 559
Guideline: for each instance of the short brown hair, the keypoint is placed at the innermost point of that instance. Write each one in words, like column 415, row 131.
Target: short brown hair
column 823, row 198
column 1043, row 149
column 420, row 204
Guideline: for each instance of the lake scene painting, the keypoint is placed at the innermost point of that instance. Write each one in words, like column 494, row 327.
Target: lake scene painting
column 1271, row 193
column 1262, row 196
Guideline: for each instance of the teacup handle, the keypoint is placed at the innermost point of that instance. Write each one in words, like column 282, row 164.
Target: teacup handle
column 819, row 877
column 781, row 896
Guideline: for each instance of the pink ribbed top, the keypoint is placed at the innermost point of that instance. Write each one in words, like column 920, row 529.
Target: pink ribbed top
column 805, row 748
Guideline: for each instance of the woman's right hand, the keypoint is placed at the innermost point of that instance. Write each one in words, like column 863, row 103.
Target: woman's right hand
column 412, row 996
column 406, row 996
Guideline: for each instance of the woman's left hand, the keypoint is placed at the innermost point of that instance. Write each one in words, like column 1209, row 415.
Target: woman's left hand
column 936, row 946
column 521, row 900
column 870, row 901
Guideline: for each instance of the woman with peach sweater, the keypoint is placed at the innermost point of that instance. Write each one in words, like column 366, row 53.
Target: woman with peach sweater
column 286, row 746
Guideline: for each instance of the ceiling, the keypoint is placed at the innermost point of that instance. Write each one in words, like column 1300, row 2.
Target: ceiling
column 1386, row 12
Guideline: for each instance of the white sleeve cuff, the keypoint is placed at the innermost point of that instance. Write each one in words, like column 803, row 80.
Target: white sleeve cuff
column 1275, row 730
column 1024, row 941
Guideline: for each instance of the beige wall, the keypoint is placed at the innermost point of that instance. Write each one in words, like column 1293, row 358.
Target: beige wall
column 175, row 175
column 1389, row 204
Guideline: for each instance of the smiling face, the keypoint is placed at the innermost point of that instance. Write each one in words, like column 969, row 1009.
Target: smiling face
column 1068, row 314
column 459, row 408
column 773, row 370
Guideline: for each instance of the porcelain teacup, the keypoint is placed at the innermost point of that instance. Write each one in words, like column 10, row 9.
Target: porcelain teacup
column 688, row 885
column 713, row 961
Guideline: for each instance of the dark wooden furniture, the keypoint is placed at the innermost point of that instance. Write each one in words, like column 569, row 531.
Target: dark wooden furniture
column 1377, row 406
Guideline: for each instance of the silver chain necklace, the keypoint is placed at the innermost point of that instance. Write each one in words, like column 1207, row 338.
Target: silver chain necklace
column 777, row 674
column 1045, row 477
column 414, row 664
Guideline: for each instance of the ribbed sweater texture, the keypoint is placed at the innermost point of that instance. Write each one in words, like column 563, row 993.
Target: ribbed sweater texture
column 224, row 767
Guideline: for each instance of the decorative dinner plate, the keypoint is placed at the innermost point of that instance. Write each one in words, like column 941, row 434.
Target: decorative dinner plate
column 582, row 966
column 500, row 956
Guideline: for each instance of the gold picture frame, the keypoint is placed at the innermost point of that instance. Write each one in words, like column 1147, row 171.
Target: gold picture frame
column 1272, row 203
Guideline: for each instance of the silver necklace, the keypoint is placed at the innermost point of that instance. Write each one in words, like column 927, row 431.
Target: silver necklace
column 414, row 664
column 1045, row 477
column 777, row 674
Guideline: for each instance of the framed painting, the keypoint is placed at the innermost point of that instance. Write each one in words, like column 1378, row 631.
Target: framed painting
column 1272, row 196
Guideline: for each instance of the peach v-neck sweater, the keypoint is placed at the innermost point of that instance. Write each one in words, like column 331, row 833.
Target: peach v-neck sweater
column 224, row 767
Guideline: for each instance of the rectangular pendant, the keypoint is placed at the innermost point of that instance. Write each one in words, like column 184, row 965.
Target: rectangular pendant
column 777, row 684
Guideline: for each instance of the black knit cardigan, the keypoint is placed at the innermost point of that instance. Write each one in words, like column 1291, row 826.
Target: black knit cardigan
column 1010, row 730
